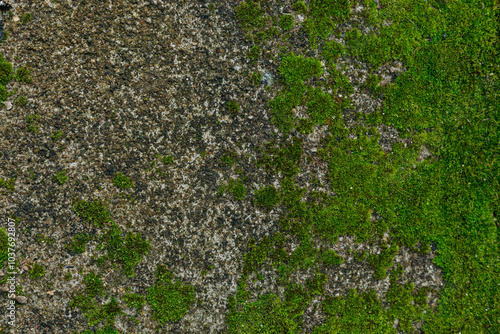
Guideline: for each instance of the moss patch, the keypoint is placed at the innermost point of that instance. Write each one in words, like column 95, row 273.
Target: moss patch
column 93, row 211
column 127, row 251
column 122, row 181
column 169, row 301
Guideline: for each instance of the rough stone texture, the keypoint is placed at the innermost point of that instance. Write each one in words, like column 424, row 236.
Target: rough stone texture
column 128, row 80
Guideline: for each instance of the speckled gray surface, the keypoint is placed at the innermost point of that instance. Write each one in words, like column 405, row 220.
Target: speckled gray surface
column 126, row 81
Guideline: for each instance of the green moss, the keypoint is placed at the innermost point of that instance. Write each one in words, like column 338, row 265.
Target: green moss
column 300, row 7
column 286, row 22
column 108, row 312
column 362, row 311
column 42, row 239
column 298, row 68
column 267, row 197
column 249, row 13
column 93, row 211
column 305, row 126
column 316, row 285
column 4, row 94
column 260, row 37
column 94, row 312
column 57, row 134
column 256, row 77
column 163, row 274
column 26, row 18
column 282, row 105
column 31, row 123
column 331, row 258
column 267, row 315
column 127, row 251
column 4, row 246
column 122, row 181
column 8, row 184
column 167, row 159
column 60, row 177
column 229, row 158
column 107, row 330
column 37, row 271
column 322, row 17
column 267, row 248
column 382, row 261
column 332, row 51
column 23, row 75
column 446, row 100
column 297, row 300
column 285, row 159
column 78, row 243
column 255, row 52
column 134, row 300
column 6, row 72
column 420, row 297
column 93, row 284
column 237, row 188
column 169, row 301
column 82, row 301
column 232, row 107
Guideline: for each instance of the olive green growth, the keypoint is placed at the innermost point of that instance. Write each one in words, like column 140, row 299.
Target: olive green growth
column 300, row 7
column 127, row 251
column 23, row 75
column 108, row 312
column 316, row 285
column 269, row 314
column 90, row 307
column 267, row 197
column 305, row 126
column 382, row 261
column 255, row 52
column 233, row 107
column 60, row 177
column 256, row 77
column 37, row 271
column 4, row 246
column 229, row 158
column 169, row 301
column 249, row 13
column 42, row 239
column 8, row 184
column 94, row 285
column 322, row 17
column 298, row 68
column 285, row 159
column 237, row 188
column 107, row 330
column 331, row 258
column 21, row 101
column 134, row 300
column 31, row 123
column 6, row 71
column 122, row 181
column 372, row 83
column 93, row 211
column 286, row 22
column 57, row 134
column 79, row 242
column 26, row 18
column 167, row 159
column 332, row 51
